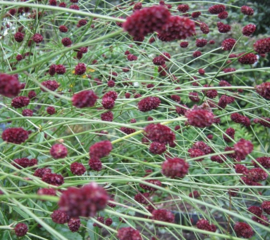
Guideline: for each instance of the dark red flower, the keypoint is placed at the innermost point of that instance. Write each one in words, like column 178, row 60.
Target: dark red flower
column 177, row 28
column 111, row 83
column 60, row 217
column 240, row 168
column 15, row 135
column 242, row 148
column 86, row 98
column 150, row 188
column 204, row 28
column 142, row 198
column 63, row 28
column 58, row 151
column 233, row 192
column 82, row 22
column 24, row 162
column 256, row 174
column 230, row 132
column 100, row 149
column 266, row 206
column 19, row 102
column 196, row 54
column 53, row 3
column 175, row 168
column 249, row 58
column 159, row 60
column 196, row 14
column 20, row 229
column 200, row 117
column 148, row 103
column 19, row 57
column 77, row 168
column 201, row 71
column 201, row 42
column 74, row 224
column 223, row 28
column 194, row 194
column 37, row 38
column 194, row 96
column 157, row 148
column 80, row 69
column 147, row 20
column 50, row 110
column 228, row 44
column 255, row 210
column 60, row 69
column 27, row 112
column 18, row 36
column 264, row 161
column 249, row 29
column 261, row 219
column 108, row 222
column 131, row 57
column 264, row 121
column 183, row 8
column 66, row 41
column 159, row 133
column 238, row 118
column 218, row 158
column 47, row 191
column 247, row 10
column 107, row 102
column 32, row 94
column 163, row 215
column 53, row 179
column 74, row 7
column 50, row 84
column 243, row 230
column 262, row 46
column 42, row 171
column 223, row 15
column 127, row 130
column 128, row 233
column 184, row 44
column 264, row 89
column 107, row 116
column 216, row 9
column 85, row 201
column 205, row 225
column 95, row 164
column 195, row 152
column 110, row 94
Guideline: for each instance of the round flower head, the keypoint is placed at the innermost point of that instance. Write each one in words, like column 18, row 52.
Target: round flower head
column 21, row 229
column 229, row 132
column 249, row 58
column 264, row 121
column 159, row 133
column 228, row 44
column 77, row 168
column 264, row 161
column 264, row 90
column 256, row 174
column 183, row 8
column 50, row 84
column 74, row 224
column 247, row 10
column 163, row 215
column 107, row 102
column 242, row 148
column 9, row 85
column 80, row 69
column 216, row 9
column 201, row 42
column 147, row 20
column 204, row 28
column 59, row 216
column 50, row 110
column 175, row 168
column 47, row 191
column 255, row 210
column 66, row 41
column 107, row 116
column 58, row 151
column 184, row 44
column 100, row 149
column 223, row 28
column 128, row 233
column 60, row 69
column 148, row 103
column 205, row 225
column 19, row 102
column 243, row 230
column 18, row 36
column 15, row 135
column 157, row 148
column 63, row 29
column 85, row 201
column 37, row 38
column 200, row 117
column 24, row 162
column 95, row 164
column 223, row 15
column 177, row 28
column 53, row 179
column 86, row 98
column 249, row 29
column 262, row 46
column 266, row 206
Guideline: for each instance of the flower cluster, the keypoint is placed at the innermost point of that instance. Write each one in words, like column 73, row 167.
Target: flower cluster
column 175, row 168
column 148, row 103
column 9, row 85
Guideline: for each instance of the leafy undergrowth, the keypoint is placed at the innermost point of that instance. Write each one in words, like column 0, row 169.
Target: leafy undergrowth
column 133, row 121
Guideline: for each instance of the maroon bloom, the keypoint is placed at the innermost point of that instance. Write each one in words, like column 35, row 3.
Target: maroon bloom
column 266, row 206
column 21, row 229
column 80, row 69
column 66, row 41
column 77, row 168
column 142, row 198
column 184, row 44
column 42, row 171
column 228, row 44
column 262, row 46
column 243, row 230
column 74, row 224
column 60, row 69
column 50, row 110
column 86, row 98
column 204, row 28
column 150, row 188
column 32, row 94
column 85, row 201
column 107, row 116
column 128, row 233
column 27, row 112
column 216, row 9
column 147, row 20
column 264, row 121
column 63, row 29
column 37, row 38
column 107, row 102
column 223, row 15
column 205, row 225
column 59, row 216
column 249, row 29
column 24, row 162
column 256, row 174
column 183, row 8
column 46, row 191
column 148, row 103
column 264, row 161
column 19, row 102
column 157, row 148
column 15, row 135
column 163, row 215
column 18, row 36
column 264, row 90
column 100, row 149
column 247, row 10
column 195, row 152
column 249, row 58
column 255, row 210
column 238, row 118
column 201, row 42
column 242, row 148
column 58, row 151
column 50, row 84
column 200, row 117
column 159, row 60
column 175, row 168
column 53, row 179
column 95, row 164
column 223, row 28
column 230, row 132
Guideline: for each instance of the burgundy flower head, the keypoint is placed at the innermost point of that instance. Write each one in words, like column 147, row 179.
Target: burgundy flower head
column 37, row 38
column 24, row 162
column 249, row 58
column 163, row 215
column 50, row 110
column 15, row 135
column 63, row 29
column 216, row 9
column 243, row 230
column 195, row 152
column 264, row 121
column 86, row 98
column 247, row 10
column 110, row 94
column 60, row 69
column 203, row 147
column 19, row 102
column 58, row 151
column 147, row 20
column 157, row 148
column 223, row 28
column 59, row 216
column 77, row 168
column 159, row 133
column 256, row 174
column 264, row 90
column 85, row 201
column 159, row 60
column 201, row 42
column 223, row 15
column 74, row 224
column 175, row 168
column 205, row 225
column 53, row 179
column 50, row 84
column 9, row 85
column 100, row 149
column 204, row 28
column 142, row 198
column 183, row 8
column 107, row 116
column 249, row 29
column 80, row 69
column 262, row 46
column 230, row 132
column 128, row 233
column 228, row 44
column 264, row 161
column 200, row 117
column 107, row 102
column 95, row 164
column 184, row 44
column 177, row 28
column 255, row 210
column 242, row 148
column 266, row 206
column 21, row 229
column 238, row 118
column 149, row 188
column 148, row 103
column 66, row 41
column 42, row 171
column 18, row 36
